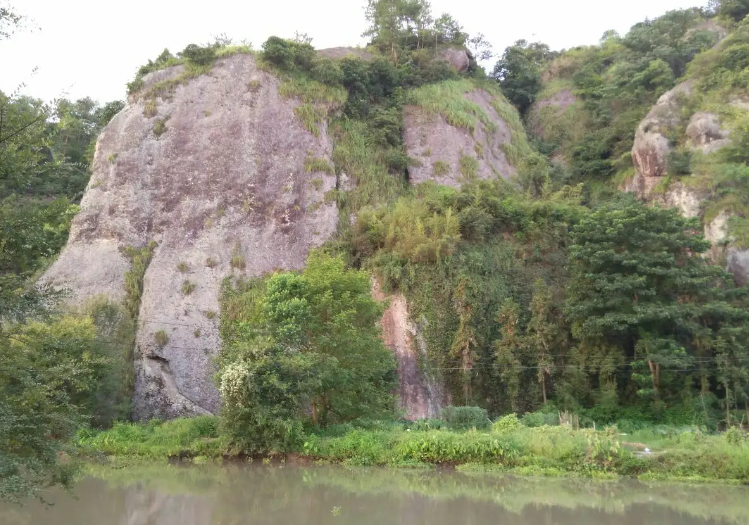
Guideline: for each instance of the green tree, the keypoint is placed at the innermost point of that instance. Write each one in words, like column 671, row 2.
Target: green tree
column 543, row 334
column 518, row 72
column 50, row 377
column 640, row 291
column 10, row 20
column 317, row 350
column 509, row 350
column 735, row 9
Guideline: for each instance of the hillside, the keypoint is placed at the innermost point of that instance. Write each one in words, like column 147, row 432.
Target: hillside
column 295, row 239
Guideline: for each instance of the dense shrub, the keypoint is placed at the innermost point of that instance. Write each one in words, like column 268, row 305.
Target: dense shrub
column 201, row 56
column 539, row 419
column 464, row 418
column 288, row 54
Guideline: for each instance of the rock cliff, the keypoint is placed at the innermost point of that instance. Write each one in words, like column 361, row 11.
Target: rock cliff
column 421, row 396
column 448, row 154
column 215, row 172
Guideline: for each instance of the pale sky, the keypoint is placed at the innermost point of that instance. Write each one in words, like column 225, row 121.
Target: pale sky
column 94, row 47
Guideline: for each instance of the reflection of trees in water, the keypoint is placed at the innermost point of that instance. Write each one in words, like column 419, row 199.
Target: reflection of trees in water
column 144, row 506
column 212, row 495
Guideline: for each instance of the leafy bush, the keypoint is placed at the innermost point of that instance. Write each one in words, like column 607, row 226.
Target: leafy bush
column 184, row 437
column 427, row 424
column 188, row 287
column 507, row 423
column 679, row 162
column 287, row 54
column 463, row 418
column 327, row 71
column 201, row 56
column 160, row 127
column 539, row 419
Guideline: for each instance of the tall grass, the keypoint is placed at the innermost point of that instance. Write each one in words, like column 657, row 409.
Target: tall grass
column 358, row 155
column 191, row 437
column 555, row 450
column 448, row 99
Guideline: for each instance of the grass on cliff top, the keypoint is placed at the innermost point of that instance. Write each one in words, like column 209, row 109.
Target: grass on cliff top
column 509, row 446
column 448, row 99
column 311, row 91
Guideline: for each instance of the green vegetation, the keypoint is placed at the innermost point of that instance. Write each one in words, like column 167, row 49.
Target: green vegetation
column 192, row 437
column 188, row 287
column 469, row 166
column 160, row 127
column 160, row 338
column 549, row 296
column 550, row 450
column 310, row 342
column 448, row 99
column 318, row 165
column 238, row 261
column 440, row 168
column 311, row 116
column 140, row 259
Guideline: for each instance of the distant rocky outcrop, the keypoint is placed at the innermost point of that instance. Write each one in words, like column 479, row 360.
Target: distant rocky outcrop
column 457, row 57
column 650, row 154
column 705, row 134
column 213, row 171
column 652, row 145
column 337, row 53
column 442, row 152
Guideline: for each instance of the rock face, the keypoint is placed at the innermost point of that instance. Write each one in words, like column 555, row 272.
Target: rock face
column 456, row 57
column 440, row 148
column 223, row 190
column 651, row 147
column 420, row 395
column 650, row 152
column 338, row 53
column 705, row 134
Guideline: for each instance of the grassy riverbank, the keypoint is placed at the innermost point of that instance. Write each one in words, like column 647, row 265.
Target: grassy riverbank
column 511, row 447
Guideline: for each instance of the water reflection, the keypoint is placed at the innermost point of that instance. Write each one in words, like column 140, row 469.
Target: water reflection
column 251, row 495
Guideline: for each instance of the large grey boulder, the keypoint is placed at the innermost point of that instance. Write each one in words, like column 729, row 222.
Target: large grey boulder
column 705, row 134
column 457, row 57
column 651, row 146
column 338, row 53
column 226, row 180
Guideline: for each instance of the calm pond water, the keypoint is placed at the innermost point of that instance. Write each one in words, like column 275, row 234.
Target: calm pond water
column 250, row 495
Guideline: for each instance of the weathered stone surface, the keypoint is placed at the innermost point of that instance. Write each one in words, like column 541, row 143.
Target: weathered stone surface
column 456, row 57
column 430, row 139
column 737, row 262
column 716, row 230
column 338, row 53
column 226, row 179
column 420, row 395
column 651, row 147
column 705, row 134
